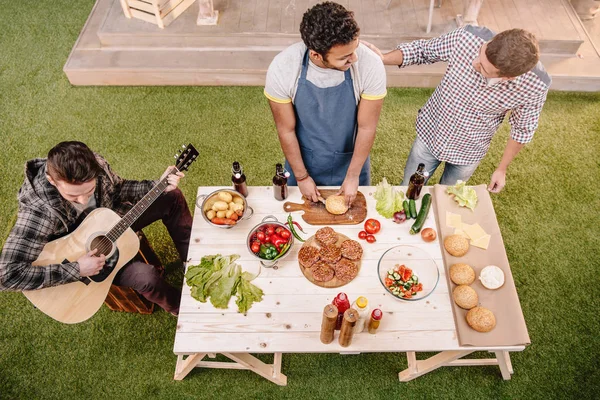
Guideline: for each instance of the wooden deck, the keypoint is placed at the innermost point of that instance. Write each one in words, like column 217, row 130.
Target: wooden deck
column 114, row 50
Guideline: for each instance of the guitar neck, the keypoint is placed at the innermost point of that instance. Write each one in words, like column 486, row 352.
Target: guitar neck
column 137, row 210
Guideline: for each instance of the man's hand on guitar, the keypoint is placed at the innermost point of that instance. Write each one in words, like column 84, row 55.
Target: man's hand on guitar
column 173, row 179
column 90, row 265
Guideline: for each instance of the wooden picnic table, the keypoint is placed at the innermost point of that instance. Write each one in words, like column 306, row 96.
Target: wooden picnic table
column 288, row 319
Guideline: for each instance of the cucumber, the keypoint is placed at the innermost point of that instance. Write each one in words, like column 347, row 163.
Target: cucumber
column 406, row 208
column 423, row 212
column 396, row 276
column 413, row 208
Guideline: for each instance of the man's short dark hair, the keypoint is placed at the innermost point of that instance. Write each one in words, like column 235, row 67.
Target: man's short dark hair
column 513, row 52
column 72, row 162
column 326, row 25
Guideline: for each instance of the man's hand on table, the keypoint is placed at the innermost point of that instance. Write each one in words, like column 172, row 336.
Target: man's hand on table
column 349, row 189
column 308, row 188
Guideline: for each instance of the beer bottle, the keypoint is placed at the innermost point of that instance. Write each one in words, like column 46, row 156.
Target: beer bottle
column 417, row 180
column 239, row 179
column 280, row 188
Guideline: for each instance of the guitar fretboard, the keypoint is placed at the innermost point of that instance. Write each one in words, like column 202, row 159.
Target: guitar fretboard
column 133, row 214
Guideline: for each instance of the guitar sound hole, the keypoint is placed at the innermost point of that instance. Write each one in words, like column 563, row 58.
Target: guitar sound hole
column 103, row 244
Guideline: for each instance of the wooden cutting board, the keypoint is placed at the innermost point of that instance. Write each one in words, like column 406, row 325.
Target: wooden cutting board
column 335, row 282
column 316, row 214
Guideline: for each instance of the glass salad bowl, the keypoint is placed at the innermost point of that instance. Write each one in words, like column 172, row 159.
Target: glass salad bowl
column 417, row 280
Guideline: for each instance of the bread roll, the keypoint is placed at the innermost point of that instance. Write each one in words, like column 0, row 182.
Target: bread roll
column 336, row 205
column 456, row 245
column 462, row 274
column 465, row 297
column 481, row 319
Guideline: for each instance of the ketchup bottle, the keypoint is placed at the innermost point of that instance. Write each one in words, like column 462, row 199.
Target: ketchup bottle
column 342, row 303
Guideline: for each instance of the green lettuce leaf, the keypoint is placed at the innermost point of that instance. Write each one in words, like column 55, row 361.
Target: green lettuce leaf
column 389, row 200
column 247, row 294
column 465, row 196
column 225, row 287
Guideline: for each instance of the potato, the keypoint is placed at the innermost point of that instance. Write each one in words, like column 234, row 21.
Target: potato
column 239, row 209
column 231, row 205
column 220, row 206
column 238, row 200
column 211, row 214
column 224, row 196
column 221, row 214
column 229, row 213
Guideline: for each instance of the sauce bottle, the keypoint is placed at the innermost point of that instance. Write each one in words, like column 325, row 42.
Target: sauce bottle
column 361, row 305
column 375, row 320
column 239, row 179
column 280, row 188
column 417, row 180
column 342, row 303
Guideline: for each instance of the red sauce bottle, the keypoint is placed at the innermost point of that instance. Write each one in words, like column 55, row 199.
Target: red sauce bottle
column 342, row 303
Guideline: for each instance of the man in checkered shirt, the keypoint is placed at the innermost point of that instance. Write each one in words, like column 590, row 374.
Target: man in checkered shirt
column 58, row 193
column 488, row 75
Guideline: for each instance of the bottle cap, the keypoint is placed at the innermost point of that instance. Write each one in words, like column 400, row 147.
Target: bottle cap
column 376, row 314
column 237, row 176
column 362, row 302
column 425, row 174
column 286, row 174
column 341, row 296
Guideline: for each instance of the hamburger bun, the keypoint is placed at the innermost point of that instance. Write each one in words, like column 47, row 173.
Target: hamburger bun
column 465, row 297
column 336, row 205
column 462, row 274
column 481, row 319
column 456, row 245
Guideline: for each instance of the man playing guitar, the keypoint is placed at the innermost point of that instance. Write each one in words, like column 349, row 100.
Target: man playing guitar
column 57, row 194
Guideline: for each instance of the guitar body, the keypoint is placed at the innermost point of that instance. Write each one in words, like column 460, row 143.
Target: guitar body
column 77, row 301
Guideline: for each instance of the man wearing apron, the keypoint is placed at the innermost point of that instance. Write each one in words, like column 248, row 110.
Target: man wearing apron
column 326, row 95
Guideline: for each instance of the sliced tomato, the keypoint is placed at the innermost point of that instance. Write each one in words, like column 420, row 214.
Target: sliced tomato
column 389, row 282
column 407, row 295
column 406, row 274
column 418, row 287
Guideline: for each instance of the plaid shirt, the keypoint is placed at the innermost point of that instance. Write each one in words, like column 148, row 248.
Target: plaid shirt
column 44, row 215
column 459, row 120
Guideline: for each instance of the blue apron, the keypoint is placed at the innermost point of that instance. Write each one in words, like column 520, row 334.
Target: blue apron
column 326, row 130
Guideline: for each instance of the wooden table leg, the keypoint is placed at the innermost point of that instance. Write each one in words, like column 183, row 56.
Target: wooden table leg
column 270, row 372
column 425, row 366
column 183, row 367
column 504, row 364
column 411, row 357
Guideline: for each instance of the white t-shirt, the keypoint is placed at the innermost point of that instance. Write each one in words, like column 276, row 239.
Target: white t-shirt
column 368, row 75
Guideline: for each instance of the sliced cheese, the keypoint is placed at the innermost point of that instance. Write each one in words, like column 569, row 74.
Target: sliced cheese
column 460, row 232
column 475, row 232
column 483, row 242
column 453, row 220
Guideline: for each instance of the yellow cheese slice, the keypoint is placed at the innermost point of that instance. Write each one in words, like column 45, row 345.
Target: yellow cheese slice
column 460, row 232
column 483, row 242
column 453, row 220
column 474, row 231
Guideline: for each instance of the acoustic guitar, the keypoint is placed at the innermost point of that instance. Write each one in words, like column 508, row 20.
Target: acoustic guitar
column 104, row 230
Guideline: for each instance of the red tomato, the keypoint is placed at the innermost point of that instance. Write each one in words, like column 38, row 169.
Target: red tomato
column 372, row 226
column 406, row 274
column 270, row 230
column 285, row 233
column 389, row 282
column 260, row 236
column 255, row 247
column 371, row 239
column 362, row 235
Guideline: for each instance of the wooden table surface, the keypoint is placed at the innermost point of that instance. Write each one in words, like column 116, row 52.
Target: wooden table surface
column 288, row 319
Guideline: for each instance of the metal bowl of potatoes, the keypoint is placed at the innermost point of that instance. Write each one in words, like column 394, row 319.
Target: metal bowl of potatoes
column 224, row 208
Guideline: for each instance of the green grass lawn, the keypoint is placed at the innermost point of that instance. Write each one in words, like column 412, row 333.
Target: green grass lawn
column 548, row 213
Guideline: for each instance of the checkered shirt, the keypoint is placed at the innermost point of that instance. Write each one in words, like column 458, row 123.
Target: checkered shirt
column 459, row 120
column 45, row 215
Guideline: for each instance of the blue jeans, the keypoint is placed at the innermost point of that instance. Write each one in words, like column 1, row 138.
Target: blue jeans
column 419, row 153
